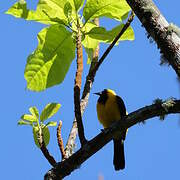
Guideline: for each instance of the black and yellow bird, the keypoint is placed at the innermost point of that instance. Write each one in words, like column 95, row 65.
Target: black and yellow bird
column 111, row 108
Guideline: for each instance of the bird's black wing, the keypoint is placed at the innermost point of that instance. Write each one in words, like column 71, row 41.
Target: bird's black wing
column 122, row 110
column 121, row 105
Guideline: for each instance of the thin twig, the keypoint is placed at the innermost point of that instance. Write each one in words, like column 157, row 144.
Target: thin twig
column 60, row 140
column 64, row 168
column 77, row 87
column 84, row 100
column 130, row 19
column 43, row 148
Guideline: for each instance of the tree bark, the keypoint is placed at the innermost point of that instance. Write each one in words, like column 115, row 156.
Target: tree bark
column 157, row 27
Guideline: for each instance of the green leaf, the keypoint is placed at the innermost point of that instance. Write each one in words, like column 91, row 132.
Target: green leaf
column 89, row 43
column 51, row 123
column 48, row 64
column 47, row 11
column 34, row 111
column 89, row 53
column 78, row 4
column 49, row 111
column 29, row 117
column 22, row 122
column 67, row 9
column 46, row 135
column 101, row 34
column 108, row 8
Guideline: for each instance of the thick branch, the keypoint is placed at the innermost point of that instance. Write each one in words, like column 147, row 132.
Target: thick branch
column 157, row 27
column 77, row 88
column 64, row 168
column 84, row 100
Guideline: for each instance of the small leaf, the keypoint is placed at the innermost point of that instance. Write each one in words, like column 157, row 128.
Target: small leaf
column 108, row 8
column 67, row 9
column 46, row 135
column 78, row 4
column 89, row 53
column 51, row 123
column 48, row 64
column 21, row 122
column 34, row 111
column 49, row 111
column 103, row 35
column 29, row 117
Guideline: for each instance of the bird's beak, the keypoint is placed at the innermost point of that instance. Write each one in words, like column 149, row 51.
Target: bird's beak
column 97, row 93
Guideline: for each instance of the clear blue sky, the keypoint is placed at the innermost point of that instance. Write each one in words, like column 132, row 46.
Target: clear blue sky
column 132, row 70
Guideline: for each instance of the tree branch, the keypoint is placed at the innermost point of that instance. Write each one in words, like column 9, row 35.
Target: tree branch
column 84, row 100
column 158, row 28
column 64, row 168
column 130, row 19
column 60, row 140
column 44, row 150
column 77, row 87
column 89, row 81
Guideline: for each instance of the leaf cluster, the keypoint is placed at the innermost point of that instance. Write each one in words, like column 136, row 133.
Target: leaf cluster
column 36, row 121
column 49, row 63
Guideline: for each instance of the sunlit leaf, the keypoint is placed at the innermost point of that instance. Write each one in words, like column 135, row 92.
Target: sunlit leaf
column 49, row 63
column 89, row 43
column 78, row 4
column 51, row 123
column 29, row 117
column 34, row 111
column 22, row 122
column 49, row 111
column 101, row 34
column 46, row 135
column 108, row 8
column 46, row 12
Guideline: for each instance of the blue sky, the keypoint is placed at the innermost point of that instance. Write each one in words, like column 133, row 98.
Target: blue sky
column 132, row 70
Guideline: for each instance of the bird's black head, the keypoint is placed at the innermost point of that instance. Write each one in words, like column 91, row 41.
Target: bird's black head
column 103, row 95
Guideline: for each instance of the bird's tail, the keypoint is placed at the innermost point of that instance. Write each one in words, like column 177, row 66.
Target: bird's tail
column 119, row 158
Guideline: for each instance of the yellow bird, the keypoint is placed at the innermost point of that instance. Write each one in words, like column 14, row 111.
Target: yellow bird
column 111, row 108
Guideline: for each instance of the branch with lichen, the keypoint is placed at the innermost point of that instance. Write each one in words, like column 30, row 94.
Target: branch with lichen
column 157, row 109
column 166, row 36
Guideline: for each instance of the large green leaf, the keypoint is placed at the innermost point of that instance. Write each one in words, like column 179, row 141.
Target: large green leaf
column 109, row 8
column 48, row 65
column 49, row 111
column 46, row 135
column 47, row 11
column 101, row 34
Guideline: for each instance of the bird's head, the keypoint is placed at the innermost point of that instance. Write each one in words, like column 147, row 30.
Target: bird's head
column 103, row 95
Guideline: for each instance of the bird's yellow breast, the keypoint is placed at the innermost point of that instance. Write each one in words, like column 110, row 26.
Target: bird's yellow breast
column 108, row 112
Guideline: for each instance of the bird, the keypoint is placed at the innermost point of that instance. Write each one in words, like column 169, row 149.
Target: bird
column 110, row 108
